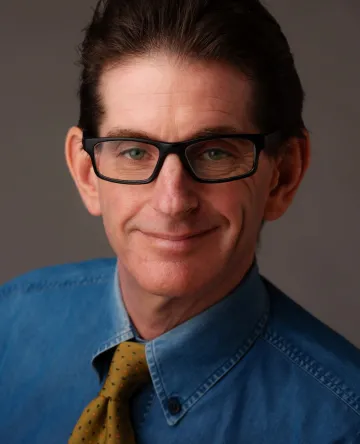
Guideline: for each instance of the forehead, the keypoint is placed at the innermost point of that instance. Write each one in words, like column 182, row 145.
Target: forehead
column 172, row 99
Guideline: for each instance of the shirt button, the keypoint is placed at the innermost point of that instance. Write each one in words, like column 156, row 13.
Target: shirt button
column 174, row 406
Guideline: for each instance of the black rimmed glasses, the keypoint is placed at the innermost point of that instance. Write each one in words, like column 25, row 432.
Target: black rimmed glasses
column 210, row 159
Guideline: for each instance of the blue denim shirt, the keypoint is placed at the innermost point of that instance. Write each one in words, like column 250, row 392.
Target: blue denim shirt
column 254, row 368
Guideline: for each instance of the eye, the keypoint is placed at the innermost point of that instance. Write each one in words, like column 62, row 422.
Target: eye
column 215, row 154
column 134, row 153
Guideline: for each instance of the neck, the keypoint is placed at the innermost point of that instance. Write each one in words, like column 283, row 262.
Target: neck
column 153, row 315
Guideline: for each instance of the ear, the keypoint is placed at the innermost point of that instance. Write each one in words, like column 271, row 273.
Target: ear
column 81, row 170
column 289, row 171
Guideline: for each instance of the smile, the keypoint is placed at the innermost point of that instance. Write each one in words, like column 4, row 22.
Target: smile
column 178, row 238
column 177, row 243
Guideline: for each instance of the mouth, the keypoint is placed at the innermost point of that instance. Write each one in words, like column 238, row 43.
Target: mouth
column 186, row 243
column 179, row 238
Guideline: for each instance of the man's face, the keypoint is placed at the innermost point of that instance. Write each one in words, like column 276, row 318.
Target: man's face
column 172, row 103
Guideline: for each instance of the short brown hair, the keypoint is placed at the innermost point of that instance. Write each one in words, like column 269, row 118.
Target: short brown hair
column 241, row 33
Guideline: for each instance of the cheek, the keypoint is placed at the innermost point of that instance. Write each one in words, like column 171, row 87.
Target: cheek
column 235, row 200
column 118, row 206
column 243, row 204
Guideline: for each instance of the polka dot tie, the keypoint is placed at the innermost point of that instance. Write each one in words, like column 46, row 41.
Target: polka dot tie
column 107, row 418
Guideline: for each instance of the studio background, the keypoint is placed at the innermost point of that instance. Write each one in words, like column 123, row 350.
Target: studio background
column 312, row 253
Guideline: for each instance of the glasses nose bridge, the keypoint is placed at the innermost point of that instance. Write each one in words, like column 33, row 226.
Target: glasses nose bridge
column 167, row 148
column 177, row 148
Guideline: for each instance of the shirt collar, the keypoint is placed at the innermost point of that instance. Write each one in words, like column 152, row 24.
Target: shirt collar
column 188, row 360
column 114, row 324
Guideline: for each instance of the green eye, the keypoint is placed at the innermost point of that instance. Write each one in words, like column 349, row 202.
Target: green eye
column 134, row 154
column 215, row 154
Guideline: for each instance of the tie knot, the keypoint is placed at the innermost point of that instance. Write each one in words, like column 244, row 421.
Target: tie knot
column 128, row 371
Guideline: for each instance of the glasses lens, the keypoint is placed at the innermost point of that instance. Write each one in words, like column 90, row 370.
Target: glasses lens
column 221, row 158
column 126, row 160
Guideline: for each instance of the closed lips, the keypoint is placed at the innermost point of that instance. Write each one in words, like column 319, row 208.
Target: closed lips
column 182, row 237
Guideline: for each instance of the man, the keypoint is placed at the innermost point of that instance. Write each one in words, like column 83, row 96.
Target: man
column 190, row 137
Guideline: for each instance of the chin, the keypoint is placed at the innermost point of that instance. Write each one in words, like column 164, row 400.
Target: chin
column 172, row 279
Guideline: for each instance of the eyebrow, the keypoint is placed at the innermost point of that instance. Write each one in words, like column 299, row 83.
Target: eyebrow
column 209, row 131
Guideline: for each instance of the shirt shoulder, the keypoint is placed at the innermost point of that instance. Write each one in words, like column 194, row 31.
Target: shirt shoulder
column 53, row 321
column 42, row 304
column 50, row 292
column 56, row 276
column 314, row 348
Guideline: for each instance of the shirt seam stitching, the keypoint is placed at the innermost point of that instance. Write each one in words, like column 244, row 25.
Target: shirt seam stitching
column 147, row 409
column 33, row 287
column 309, row 365
column 231, row 361
column 157, row 379
column 224, row 368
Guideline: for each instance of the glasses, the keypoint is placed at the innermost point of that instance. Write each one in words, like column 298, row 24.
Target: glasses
column 210, row 159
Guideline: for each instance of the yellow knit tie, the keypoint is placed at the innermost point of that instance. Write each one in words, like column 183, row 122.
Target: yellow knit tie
column 106, row 420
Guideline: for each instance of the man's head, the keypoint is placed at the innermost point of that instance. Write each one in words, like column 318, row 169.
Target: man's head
column 167, row 70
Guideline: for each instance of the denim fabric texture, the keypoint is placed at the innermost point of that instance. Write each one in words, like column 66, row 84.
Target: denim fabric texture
column 254, row 368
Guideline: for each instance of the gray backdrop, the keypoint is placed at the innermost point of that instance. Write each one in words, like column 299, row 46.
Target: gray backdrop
column 312, row 253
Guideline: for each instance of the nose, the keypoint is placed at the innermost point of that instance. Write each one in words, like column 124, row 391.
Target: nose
column 174, row 192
